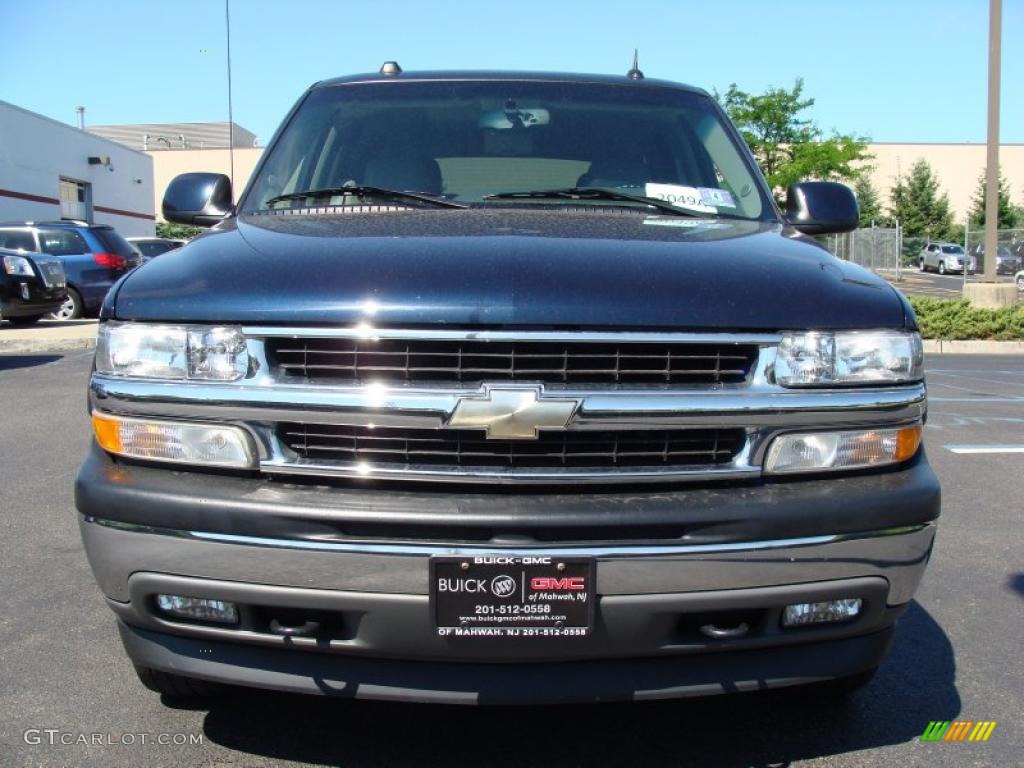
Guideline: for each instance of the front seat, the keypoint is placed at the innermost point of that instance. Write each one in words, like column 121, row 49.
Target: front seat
column 615, row 173
column 404, row 173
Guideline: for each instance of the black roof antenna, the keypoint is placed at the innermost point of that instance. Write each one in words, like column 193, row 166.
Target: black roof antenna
column 635, row 73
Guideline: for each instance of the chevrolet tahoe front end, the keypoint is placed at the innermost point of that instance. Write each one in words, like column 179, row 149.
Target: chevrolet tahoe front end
column 429, row 436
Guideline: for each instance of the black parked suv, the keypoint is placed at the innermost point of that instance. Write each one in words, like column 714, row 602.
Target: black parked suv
column 32, row 285
column 506, row 388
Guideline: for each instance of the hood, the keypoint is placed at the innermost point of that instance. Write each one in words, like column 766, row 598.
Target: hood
column 528, row 267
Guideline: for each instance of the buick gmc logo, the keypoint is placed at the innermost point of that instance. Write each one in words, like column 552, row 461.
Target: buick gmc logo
column 503, row 586
column 554, row 584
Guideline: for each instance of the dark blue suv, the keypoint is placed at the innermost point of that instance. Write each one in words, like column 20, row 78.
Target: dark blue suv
column 507, row 388
column 94, row 256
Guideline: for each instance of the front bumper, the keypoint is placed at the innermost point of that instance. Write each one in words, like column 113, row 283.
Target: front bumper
column 644, row 646
column 527, row 683
column 285, row 550
column 41, row 299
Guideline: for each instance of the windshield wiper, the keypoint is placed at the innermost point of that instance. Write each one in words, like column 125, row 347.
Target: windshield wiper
column 594, row 193
column 363, row 190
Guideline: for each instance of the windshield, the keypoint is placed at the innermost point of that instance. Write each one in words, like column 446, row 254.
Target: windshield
column 467, row 140
column 952, row 249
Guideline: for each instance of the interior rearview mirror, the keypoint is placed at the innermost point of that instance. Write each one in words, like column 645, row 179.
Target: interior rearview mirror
column 513, row 117
column 199, row 199
column 821, row 207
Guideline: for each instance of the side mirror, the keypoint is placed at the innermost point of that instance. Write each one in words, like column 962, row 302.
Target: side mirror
column 821, row 207
column 199, row 199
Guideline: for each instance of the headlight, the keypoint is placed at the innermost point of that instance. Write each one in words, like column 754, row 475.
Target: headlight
column 142, row 350
column 179, row 442
column 834, row 451
column 813, row 358
column 18, row 265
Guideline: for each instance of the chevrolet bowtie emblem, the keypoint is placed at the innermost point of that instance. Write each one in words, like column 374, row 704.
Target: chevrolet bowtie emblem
column 512, row 413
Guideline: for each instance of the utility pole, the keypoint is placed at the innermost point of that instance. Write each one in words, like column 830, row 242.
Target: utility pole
column 987, row 292
column 995, row 28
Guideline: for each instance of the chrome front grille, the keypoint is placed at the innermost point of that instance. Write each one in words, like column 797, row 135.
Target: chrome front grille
column 473, row 361
column 649, row 405
column 390, row 447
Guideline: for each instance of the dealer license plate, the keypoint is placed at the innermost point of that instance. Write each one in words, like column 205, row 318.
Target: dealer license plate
column 512, row 596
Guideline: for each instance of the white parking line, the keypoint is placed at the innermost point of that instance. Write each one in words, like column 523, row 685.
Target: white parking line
column 959, row 371
column 1016, row 387
column 973, row 378
column 984, row 448
column 972, row 390
column 992, row 399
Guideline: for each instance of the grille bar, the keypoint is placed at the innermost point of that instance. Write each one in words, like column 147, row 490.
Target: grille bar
column 464, row 448
column 474, row 361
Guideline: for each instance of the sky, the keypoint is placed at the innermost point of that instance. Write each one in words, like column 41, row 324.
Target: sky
column 889, row 70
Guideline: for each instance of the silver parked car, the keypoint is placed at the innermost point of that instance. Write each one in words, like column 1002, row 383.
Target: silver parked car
column 945, row 258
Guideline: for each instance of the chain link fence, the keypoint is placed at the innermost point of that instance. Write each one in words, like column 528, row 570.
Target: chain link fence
column 887, row 250
column 876, row 248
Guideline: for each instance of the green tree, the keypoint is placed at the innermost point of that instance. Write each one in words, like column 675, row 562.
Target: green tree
column 919, row 207
column 1009, row 214
column 868, row 202
column 176, row 231
column 789, row 147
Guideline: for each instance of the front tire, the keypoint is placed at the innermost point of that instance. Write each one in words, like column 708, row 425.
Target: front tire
column 25, row 321
column 942, row 267
column 1020, row 283
column 176, row 686
column 72, row 308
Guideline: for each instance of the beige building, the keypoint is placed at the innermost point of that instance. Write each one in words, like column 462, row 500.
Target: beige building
column 169, row 163
column 957, row 167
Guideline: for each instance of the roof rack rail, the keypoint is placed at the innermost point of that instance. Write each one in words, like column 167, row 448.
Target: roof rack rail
column 47, row 223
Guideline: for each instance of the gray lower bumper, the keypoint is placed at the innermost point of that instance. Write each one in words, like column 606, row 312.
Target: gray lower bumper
column 380, row 642
column 651, row 600
column 117, row 550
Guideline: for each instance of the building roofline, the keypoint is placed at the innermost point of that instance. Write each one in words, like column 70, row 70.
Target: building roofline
column 72, row 128
column 168, row 122
column 944, row 143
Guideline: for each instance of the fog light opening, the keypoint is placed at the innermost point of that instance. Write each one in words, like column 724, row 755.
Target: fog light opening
column 198, row 608
column 828, row 612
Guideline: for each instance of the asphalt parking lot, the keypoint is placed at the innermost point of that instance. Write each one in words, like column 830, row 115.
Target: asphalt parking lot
column 915, row 283
column 956, row 653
